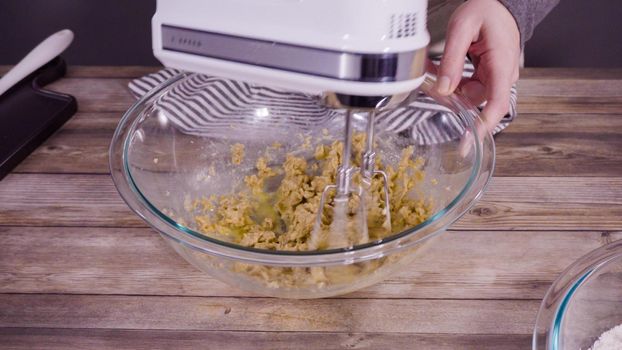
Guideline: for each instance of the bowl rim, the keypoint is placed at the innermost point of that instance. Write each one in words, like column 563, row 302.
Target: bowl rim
column 552, row 311
column 119, row 168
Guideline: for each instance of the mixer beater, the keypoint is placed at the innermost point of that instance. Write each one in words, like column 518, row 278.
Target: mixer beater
column 350, row 228
column 368, row 170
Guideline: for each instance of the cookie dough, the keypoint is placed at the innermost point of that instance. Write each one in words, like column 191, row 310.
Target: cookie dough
column 237, row 153
column 285, row 218
column 276, row 209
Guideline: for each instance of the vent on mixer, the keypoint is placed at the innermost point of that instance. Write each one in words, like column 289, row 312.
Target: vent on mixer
column 403, row 25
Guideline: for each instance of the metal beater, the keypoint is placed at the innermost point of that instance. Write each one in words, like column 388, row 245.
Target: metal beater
column 337, row 235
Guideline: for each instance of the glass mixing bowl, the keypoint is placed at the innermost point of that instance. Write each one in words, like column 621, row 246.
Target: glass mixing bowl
column 584, row 302
column 173, row 146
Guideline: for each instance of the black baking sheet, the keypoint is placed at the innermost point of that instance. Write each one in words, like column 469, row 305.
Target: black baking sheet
column 29, row 114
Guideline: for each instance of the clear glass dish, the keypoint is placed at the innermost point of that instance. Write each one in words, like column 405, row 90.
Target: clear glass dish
column 583, row 302
column 173, row 145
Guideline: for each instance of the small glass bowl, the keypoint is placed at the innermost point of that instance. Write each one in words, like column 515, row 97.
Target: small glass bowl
column 175, row 142
column 583, row 302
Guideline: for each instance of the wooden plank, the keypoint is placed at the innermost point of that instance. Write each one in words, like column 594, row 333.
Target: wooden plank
column 540, row 90
column 436, row 6
column 92, row 200
column 570, row 145
column 556, row 190
column 489, row 214
column 534, row 145
column 536, row 73
column 579, row 95
column 535, row 96
column 551, row 126
column 102, row 71
column 97, row 94
column 130, row 72
column 138, row 262
column 268, row 314
column 63, row 200
column 608, row 88
column 569, row 105
column 97, row 339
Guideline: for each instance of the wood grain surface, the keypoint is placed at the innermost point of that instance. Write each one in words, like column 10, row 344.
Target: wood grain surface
column 61, row 339
column 106, row 260
column 79, row 270
column 536, row 145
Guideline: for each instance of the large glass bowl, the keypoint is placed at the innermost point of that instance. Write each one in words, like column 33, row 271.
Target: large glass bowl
column 584, row 302
column 174, row 144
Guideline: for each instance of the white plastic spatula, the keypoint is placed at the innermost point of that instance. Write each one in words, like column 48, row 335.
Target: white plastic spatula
column 49, row 48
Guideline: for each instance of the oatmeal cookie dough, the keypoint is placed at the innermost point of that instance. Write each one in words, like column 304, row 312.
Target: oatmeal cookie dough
column 237, row 153
column 283, row 219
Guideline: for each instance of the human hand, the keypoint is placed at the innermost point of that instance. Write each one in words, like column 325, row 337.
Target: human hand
column 487, row 31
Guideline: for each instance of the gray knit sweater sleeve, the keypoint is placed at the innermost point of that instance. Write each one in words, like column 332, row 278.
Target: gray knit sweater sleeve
column 528, row 14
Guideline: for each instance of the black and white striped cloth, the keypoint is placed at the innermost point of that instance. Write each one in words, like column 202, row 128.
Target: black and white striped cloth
column 201, row 104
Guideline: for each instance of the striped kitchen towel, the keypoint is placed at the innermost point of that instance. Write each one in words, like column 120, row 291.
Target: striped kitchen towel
column 201, row 104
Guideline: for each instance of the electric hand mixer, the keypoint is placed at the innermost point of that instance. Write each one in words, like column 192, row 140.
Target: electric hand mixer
column 359, row 55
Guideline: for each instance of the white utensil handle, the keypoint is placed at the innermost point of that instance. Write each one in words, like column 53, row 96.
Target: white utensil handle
column 49, row 48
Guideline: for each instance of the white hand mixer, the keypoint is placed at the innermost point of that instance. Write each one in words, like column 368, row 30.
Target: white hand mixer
column 359, row 55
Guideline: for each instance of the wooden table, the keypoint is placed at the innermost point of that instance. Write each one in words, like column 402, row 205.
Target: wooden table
column 78, row 270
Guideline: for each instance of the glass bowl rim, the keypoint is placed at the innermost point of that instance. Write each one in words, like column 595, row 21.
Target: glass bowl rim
column 370, row 250
column 565, row 287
